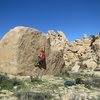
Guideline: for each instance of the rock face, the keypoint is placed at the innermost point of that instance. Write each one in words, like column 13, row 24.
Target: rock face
column 55, row 62
column 19, row 50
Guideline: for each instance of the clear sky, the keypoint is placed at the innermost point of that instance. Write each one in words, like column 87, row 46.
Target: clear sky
column 73, row 17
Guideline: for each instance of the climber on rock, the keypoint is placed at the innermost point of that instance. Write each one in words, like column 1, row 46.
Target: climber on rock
column 41, row 59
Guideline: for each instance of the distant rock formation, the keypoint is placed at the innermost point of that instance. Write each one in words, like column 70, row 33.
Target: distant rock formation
column 85, row 36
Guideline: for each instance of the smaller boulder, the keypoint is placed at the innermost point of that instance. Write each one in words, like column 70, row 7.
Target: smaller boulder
column 90, row 64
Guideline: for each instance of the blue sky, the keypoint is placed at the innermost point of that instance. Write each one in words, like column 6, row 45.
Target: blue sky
column 73, row 17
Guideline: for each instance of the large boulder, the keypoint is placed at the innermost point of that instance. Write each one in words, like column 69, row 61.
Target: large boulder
column 20, row 48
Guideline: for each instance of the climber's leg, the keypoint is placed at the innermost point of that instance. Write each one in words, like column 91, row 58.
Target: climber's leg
column 41, row 61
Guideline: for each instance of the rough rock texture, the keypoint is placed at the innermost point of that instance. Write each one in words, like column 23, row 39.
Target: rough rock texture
column 55, row 62
column 20, row 48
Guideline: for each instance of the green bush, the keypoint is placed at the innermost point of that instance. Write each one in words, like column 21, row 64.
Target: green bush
column 95, row 82
column 8, row 84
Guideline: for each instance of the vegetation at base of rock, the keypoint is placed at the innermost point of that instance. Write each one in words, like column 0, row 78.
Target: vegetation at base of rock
column 8, row 84
column 62, row 73
column 70, row 66
column 52, row 86
column 95, row 82
column 90, row 80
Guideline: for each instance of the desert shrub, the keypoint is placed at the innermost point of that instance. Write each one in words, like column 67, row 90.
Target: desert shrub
column 98, row 62
column 95, row 82
column 37, row 82
column 65, row 73
column 3, row 77
column 33, row 96
column 62, row 73
column 70, row 66
column 81, row 59
column 59, row 74
column 34, row 78
column 98, row 97
column 8, row 84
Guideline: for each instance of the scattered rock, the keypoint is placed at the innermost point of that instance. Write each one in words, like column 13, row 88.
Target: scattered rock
column 76, row 67
column 90, row 64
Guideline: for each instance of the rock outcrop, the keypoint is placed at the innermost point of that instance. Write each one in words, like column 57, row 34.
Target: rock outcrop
column 57, row 41
column 21, row 46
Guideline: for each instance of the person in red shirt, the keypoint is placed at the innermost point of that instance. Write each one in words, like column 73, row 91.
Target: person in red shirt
column 41, row 58
column 42, row 54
